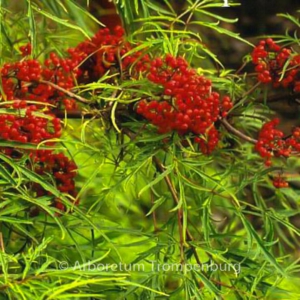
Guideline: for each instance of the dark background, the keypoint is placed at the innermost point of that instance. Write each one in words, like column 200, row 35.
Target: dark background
column 259, row 16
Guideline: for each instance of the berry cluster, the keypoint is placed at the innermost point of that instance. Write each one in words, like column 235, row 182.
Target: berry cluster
column 26, row 70
column 91, row 59
column 271, row 143
column 26, row 49
column 29, row 118
column 26, row 127
column 63, row 172
column 23, row 81
column 26, row 93
column 187, row 105
column 59, row 170
column 272, row 61
column 106, row 51
column 63, row 72
column 280, row 182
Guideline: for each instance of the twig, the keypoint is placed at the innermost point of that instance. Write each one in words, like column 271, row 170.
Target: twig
column 236, row 132
column 160, row 168
column 154, row 214
column 73, row 114
column 251, row 90
column 67, row 92
column 1, row 243
column 241, row 68
column 248, row 92
column 190, row 238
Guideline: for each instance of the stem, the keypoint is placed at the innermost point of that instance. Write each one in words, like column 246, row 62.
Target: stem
column 1, row 243
column 254, row 87
column 154, row 214
column 160, row 167
column 241, row 68
column 173, row 192
column 250, row 91
column 181, row 239
column 67, row 92
column 236, row 132
column 73, row 114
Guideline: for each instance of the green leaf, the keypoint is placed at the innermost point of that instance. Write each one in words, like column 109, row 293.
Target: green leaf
column 157, row 179
column 59, row 20
column 261, row 246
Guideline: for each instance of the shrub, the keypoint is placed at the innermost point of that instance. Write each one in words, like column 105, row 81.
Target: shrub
column 134, row 165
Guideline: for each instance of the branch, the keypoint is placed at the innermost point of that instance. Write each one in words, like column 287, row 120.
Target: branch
column 73, row 114
column 251, row 90
column 236, row 132
column 1, row 243
column 254, row 87
column 190, row 238
column 67, row 92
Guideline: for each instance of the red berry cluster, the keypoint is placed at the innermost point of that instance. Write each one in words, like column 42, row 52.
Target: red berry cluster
column 209, row 141
column 29, row 118
column 26, row 70
column 63, row 72
column 26, row 49
column 63, row 172
column 22, row 81
column 33, row 129
column 280, row 182
column 26, row 127
column 271, row 142
column 187, row 105
column 89, row 60
column 26, row 93
column 59, row 170
column 107, row 51
column 271, row 60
